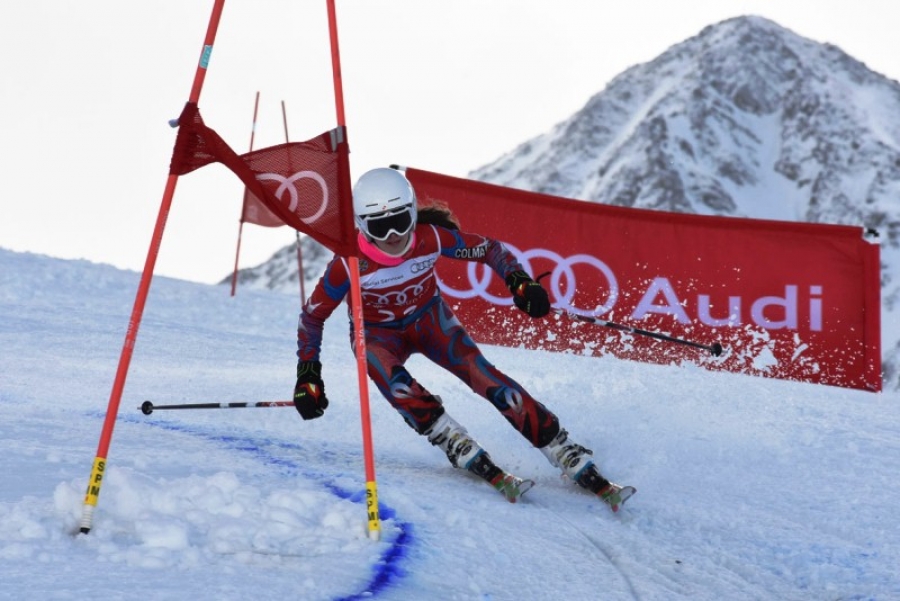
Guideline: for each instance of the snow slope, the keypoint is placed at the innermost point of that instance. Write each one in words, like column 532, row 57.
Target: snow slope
column 747, row 488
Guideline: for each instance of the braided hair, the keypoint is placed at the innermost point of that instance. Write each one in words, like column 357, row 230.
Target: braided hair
column 437, row 213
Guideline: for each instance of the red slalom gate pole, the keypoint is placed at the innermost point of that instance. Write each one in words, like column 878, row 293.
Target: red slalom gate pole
column 356, row 303
column 287, row 139
column 237, row 252
column 99, row 467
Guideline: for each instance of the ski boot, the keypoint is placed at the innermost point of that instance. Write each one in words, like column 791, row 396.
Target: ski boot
column 464, row 453
column 575, row 462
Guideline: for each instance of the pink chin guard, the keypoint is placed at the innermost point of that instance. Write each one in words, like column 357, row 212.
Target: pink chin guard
column 379, row 256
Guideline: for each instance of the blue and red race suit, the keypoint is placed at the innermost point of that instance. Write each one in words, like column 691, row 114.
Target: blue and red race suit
column 404, row 313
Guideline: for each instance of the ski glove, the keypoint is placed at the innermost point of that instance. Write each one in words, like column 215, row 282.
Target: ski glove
column 309, row 393
column 528, row 295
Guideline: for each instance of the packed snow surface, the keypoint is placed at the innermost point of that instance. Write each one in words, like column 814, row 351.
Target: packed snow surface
column 747, row 488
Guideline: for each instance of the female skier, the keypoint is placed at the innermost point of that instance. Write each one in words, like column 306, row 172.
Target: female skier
column 404, row 313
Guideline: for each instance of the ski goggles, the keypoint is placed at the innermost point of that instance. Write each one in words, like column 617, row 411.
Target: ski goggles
column 382, row 225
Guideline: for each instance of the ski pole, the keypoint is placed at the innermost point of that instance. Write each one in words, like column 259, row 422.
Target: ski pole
column 147, row 407
column 715, row 348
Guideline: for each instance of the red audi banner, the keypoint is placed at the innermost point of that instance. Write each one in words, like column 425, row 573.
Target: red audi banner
column 788, row 300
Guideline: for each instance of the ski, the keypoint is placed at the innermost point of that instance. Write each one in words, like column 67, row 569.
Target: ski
column 615, row 495
column 610, row 493
column 511, row 487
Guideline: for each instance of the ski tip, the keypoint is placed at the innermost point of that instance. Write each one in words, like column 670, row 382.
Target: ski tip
column 512, row 488
column 525, row 486
column 626, row 493
column 615, row 496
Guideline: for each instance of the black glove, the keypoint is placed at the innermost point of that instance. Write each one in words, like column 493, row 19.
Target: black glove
column 528, row 295
column 309, row 393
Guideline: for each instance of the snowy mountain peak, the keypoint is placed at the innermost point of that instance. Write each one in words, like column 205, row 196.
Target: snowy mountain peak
column 745, row 119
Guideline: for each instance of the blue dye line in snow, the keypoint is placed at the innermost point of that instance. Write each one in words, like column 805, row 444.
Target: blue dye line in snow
column 388, row 570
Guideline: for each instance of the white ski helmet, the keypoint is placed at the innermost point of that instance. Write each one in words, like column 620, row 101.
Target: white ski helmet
column 384, row 202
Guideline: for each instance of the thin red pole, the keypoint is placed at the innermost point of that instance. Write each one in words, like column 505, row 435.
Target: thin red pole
column 356, row 304
column 300, row 274
column 237, row 257
column 112, row 410
column 336, row 65
column 287, row 138
column 237, row 252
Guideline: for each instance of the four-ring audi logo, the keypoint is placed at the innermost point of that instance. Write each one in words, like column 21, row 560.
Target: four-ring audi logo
column 422, row 265
column 286, row 184
column 563, row 271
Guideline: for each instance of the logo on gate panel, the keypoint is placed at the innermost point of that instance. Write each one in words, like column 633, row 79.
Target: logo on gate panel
column 286, row 184
column 563, row 273
column 772, row 312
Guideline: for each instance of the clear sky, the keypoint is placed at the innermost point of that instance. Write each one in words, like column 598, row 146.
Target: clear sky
column 87, row 88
